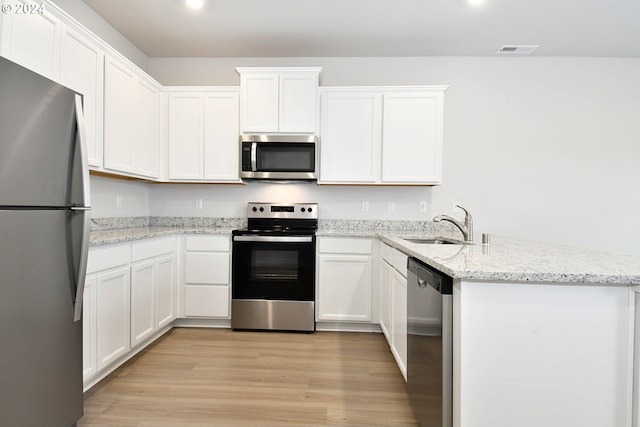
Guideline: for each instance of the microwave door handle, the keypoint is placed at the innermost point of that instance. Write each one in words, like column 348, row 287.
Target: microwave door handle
column 254, row 156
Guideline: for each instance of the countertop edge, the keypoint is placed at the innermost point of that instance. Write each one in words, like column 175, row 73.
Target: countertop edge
column 127, row 235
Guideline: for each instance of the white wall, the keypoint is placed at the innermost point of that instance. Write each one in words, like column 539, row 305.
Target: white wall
column 134, row 198
column 539, row 148
column 334, row 202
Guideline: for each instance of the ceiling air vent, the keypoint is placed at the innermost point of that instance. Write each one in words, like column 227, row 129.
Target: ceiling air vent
column 517, row 48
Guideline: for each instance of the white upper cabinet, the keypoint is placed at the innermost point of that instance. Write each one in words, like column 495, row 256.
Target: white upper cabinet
column 259, row 93
column 279, row 100
column 412, row 137
column 186, row 137
column 381, row 135
column 31, row 39
column 131, row 121
column 119, row 86
column 221, row 136
column 204, row 135
column 146, row 149
column 81, row 69
column 350, row 137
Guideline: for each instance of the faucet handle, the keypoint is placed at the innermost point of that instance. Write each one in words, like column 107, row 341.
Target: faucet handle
column 467, row 214
column 468, row 222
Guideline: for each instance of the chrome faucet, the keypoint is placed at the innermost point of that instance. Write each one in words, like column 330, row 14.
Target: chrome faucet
column 466, row 228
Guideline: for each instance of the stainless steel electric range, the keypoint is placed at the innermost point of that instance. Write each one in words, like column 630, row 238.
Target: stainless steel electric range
column 273, row 283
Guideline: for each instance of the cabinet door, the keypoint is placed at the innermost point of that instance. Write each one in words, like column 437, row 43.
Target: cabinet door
column 31, row 39
column 385, row 299
column 350, row 131
column 118, row 116
column 297, row 110
column 186, row 138
column 221, row 137
column 412, row 138
column 112, row 315
column 147, row 129
column 259, row 102
column 143, row 315
column 81, row 69
column 166, row 290
column 399, row 320
column 89, row 343
column 344, row 287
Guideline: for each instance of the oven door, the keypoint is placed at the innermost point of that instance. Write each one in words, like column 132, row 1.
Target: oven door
column 273, row 268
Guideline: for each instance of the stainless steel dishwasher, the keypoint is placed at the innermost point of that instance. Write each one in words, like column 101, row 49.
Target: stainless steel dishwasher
column 429, row 344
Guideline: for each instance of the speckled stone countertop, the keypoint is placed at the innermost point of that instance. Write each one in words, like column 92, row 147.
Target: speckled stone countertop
column 505, row 259
column 109, row 231
column 517, row 260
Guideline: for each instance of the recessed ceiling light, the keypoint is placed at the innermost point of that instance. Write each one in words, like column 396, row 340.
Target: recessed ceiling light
column 194, row 4
column 476, row 3
column 517, row 48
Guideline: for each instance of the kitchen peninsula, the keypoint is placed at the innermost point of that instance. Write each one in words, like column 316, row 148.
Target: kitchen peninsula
column 543, row 334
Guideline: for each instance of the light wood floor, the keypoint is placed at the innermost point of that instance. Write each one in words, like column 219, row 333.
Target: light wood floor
column 218, row 377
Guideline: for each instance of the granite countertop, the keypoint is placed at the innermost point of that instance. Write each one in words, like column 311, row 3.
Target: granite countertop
column 505, row 259
column 122, row 235
column 518, row 260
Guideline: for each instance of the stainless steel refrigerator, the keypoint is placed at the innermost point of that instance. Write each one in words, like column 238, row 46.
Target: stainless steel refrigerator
column 44, row 236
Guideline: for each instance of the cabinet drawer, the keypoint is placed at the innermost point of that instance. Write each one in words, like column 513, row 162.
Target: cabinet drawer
column 152, row 248
column 207, row 243
column 206, row 301
column 345, row 245
column 207, row 268
column 108, row 257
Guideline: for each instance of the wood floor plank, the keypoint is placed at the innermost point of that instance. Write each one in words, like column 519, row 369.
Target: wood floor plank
column 196, row 377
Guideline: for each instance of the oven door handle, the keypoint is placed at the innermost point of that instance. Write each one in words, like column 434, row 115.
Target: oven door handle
column 280, row 239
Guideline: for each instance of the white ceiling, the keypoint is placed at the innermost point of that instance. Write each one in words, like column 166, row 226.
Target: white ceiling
column 325, row 28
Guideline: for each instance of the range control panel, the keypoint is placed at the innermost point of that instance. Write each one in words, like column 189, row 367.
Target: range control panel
column 283, row 210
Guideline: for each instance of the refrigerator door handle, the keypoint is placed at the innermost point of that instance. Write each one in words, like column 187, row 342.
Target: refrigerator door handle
column 82, row 210
column 82, row 146
column 82, row 265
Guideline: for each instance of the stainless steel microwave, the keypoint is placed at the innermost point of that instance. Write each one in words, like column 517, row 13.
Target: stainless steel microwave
column 278, row 157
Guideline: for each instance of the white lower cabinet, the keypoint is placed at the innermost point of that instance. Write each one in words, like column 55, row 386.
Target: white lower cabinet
column 385, row 299
column 207, row 277
column 143, row 276
column 393, row 303
column 130, row 294
column 344, row 290
column 399, row 320
column 89, row 343
column 166, row 290
column 636, row 364
column 112, row 315
column 152, row 287
column 105, row 317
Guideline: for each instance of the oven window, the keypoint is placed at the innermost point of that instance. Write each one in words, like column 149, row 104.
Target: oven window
column 289, row 157
column 274, row 265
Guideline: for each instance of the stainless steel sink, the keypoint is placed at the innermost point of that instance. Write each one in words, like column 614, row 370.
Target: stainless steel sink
column 438, row 241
